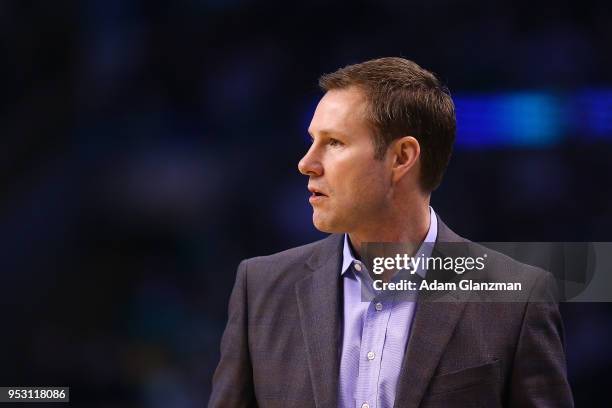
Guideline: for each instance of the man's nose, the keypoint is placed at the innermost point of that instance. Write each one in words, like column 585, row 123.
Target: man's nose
column 310, row 165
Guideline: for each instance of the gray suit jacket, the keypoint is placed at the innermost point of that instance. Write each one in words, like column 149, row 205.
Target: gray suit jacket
column 281, row 346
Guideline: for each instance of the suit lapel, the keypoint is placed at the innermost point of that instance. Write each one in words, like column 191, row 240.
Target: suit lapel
column 432, row 328
column 319, row 305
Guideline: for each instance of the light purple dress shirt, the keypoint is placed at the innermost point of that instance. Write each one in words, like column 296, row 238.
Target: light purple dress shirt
column 374, row 334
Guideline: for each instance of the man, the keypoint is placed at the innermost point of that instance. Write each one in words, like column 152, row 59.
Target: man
column 300, row 335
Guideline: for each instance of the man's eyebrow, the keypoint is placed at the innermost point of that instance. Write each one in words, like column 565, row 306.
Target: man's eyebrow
column 328, row 133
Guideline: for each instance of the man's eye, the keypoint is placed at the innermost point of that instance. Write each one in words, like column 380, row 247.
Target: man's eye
column 334, row 142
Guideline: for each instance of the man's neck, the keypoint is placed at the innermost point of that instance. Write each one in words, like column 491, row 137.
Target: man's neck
column 410, row 228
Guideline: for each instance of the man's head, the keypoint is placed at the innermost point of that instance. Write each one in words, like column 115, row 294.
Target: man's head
column 382, row 126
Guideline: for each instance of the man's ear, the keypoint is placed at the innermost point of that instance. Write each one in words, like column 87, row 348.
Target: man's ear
column 406, row 152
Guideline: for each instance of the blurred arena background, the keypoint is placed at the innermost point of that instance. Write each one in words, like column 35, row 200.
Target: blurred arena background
column 148, row 147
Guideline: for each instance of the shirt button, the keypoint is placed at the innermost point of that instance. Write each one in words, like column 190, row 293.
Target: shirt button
column 371, row 355
column 378, row 306
column 358, row 266
column 365, row 405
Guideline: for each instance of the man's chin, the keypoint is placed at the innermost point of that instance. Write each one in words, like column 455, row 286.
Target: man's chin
column 326, row 225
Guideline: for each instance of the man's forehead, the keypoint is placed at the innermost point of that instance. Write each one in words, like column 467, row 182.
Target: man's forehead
column 351, row 97
column 337, row 109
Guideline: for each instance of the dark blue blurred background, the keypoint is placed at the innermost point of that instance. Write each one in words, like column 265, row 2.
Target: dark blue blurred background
column 148, row 147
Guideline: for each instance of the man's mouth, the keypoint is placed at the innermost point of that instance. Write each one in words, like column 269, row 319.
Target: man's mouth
column 316, row 194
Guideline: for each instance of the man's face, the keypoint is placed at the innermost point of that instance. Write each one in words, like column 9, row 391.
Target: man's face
column 349, row 187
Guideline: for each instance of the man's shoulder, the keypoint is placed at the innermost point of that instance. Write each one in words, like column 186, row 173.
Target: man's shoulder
column 499, row 267
column 293, row 263
column 299, row 253
column 536, row 284
column 504, row 266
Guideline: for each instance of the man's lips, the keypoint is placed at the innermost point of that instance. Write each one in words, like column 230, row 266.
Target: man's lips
column 316, row 194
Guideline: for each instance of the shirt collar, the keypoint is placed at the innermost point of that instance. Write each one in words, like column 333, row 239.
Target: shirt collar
column 432, row 235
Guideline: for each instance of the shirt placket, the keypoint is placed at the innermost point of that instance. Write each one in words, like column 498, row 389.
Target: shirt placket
column 371, row 353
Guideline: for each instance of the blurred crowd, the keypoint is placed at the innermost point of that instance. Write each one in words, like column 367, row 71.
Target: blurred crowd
column 149, row 146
